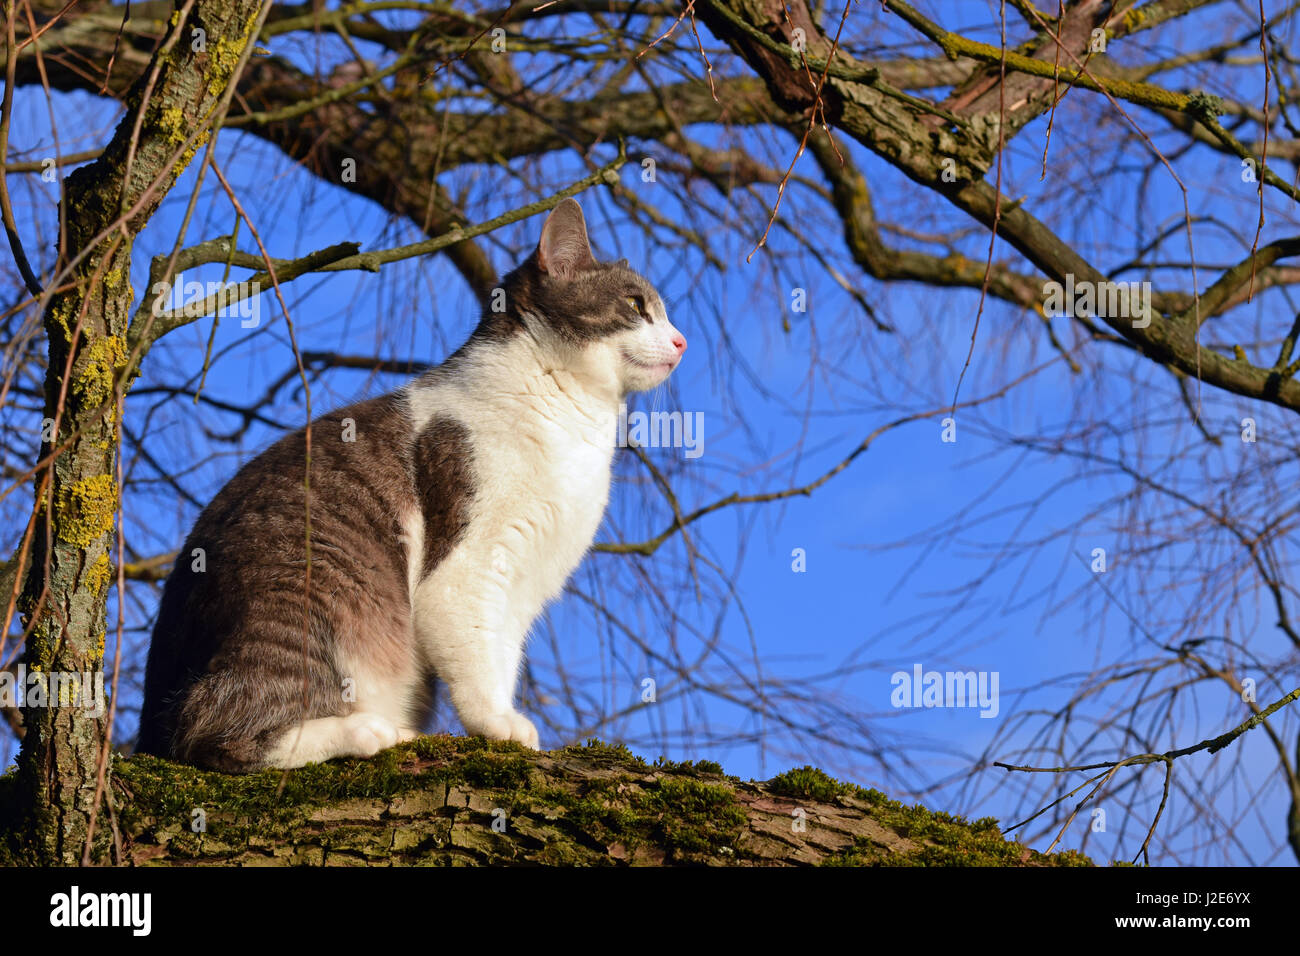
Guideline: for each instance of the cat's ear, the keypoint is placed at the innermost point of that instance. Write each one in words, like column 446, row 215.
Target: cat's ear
column 564, row 250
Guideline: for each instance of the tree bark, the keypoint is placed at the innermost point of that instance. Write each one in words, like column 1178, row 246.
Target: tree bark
column 462, row 801
column 105, row 206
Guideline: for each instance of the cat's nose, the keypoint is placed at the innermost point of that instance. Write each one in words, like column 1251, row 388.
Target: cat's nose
column 679, row 343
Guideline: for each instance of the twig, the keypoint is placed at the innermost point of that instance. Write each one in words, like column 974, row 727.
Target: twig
column 6, row 111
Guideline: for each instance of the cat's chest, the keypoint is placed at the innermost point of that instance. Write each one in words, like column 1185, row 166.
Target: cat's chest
column 546, row 480
column 539, row 473
column 531, row 480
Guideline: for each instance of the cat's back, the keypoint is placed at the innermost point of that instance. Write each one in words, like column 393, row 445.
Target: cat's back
column 360, row 472
column 243, row 567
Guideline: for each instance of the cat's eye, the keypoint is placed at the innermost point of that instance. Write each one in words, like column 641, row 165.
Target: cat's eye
column 636, row 302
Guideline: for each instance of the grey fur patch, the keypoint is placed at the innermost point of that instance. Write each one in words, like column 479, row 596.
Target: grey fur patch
column 234, row 662
column 442, row 459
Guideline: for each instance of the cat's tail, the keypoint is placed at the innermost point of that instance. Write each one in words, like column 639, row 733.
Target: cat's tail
column 231, row 718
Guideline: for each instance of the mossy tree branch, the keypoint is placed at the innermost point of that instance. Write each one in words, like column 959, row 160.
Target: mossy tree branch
column 463, row 801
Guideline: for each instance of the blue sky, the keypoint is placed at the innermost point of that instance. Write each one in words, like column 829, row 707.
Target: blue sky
column 780, row 407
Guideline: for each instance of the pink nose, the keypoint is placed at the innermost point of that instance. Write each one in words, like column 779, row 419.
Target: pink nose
column 679, row 343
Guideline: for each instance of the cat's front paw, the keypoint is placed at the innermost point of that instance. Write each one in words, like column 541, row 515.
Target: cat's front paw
column 511, row 725
column 367, row 734
column 523, row 731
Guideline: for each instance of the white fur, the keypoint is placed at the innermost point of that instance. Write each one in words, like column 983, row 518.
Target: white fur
column 359, row 734
column 541, row 415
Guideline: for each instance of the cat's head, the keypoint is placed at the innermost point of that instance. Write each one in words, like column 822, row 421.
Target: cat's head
column 602, row 320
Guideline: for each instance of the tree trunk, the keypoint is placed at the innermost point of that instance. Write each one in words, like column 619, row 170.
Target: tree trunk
column 105, row 206
column 461, row 801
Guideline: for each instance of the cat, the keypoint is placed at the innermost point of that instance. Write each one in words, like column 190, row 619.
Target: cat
column 444, row 517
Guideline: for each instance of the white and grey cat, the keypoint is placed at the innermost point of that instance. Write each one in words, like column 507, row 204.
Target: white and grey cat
column 439, row 532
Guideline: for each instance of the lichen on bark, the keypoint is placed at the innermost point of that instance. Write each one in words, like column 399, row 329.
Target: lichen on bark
column 105, row 206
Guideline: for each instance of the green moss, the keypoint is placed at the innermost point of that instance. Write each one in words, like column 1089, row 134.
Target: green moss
column 690, row 820
column 239, row 808
column 809, row 783
column 618, row 808
column 443, row 747
column 165, row 791
column 941, row 839
column 944, row 839
column 495, row 771
column 10, row 824
column 598, row 749
column 695, row 816
column 949, row 841
column 692, row 767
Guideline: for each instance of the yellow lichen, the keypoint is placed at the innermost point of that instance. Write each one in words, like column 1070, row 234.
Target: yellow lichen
column 172, row 120
column 99, row 573
column 96, row 368
column 58, row 315
column 225, row 56
column 85, row 511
